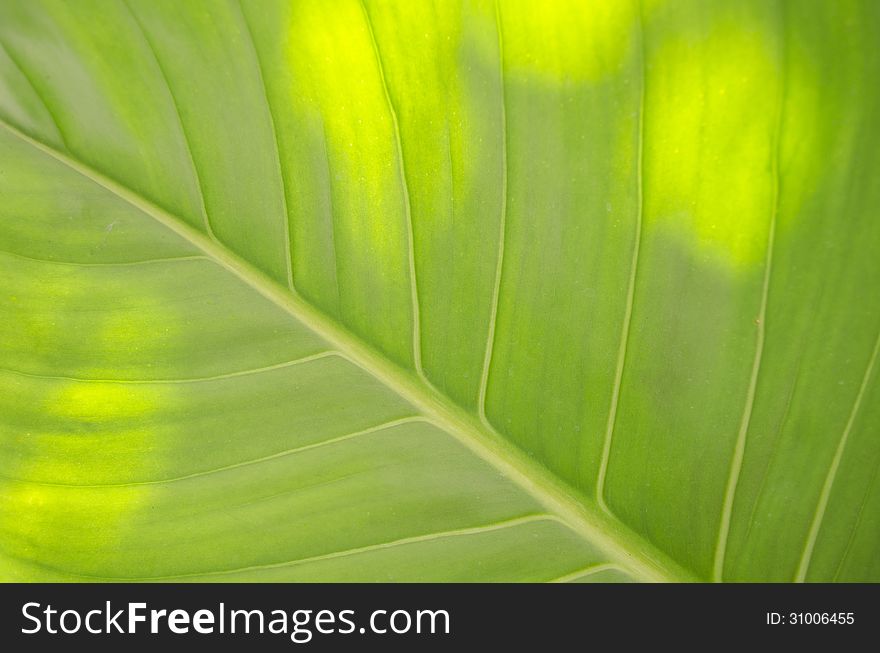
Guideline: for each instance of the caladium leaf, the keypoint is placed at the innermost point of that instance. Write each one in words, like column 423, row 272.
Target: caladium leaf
column 452, row 290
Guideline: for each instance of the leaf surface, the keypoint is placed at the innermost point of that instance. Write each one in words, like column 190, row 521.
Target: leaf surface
column 439, row 291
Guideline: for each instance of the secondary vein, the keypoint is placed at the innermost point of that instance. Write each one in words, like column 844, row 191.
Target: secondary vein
column 27, row 77
column 407, row 203
column 736, row 462
column 585, row 572
column 197, row 379
column 107, row 264
column 602, row 474
column 345, row 553
column 206, row 219
column 246, row 463
column 828, row 485
column 502, row 232
column 277, row 147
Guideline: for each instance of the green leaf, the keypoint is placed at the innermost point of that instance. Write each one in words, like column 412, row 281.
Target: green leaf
column 452, row 290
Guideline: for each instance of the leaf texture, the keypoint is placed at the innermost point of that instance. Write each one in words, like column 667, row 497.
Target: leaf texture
column 453, row 290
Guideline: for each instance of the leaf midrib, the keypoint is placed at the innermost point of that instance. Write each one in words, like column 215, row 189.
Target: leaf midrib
column 602, row 530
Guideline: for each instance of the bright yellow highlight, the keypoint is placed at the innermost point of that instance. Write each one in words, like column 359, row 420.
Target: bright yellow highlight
column 712, row 122
column 569, row 40
column 99, row 402
column 111, row 418
column 70, row 506
column 339, row 90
